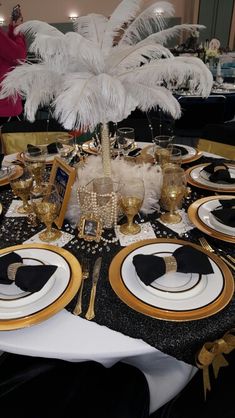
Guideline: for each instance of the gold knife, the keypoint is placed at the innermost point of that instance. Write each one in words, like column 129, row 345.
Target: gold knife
column 95, row 276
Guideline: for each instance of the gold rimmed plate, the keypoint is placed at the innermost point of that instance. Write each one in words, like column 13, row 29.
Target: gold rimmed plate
column 174, row 296
column 192, row 154
column 24, row 156
column 19, row 309
column 90, row 148
column 4, row 178
column 199, row 213
column 196, row 176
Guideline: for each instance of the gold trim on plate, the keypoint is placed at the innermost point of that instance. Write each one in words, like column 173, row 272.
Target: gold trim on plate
column 60, row 302
column 194, row 218
column 195, row 157
column 190, row 315
column 18, row 171
column 213, row 186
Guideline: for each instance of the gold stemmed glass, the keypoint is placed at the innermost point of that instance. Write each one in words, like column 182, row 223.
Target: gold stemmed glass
column 21, row 187
column 173, row 191
column 46, row 206
column 36, row 163
column 132, row 196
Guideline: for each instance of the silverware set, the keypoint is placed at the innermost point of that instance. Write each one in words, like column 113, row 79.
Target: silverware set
column 85, row 264
column 228, row 259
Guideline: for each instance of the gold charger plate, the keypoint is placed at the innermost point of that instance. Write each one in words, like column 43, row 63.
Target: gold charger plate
column 36, row 311
column 1, row 208
column 194, row 157
column 89, row 148
column 49, row 160
column 18, row 171
column 123, row 281
column 207, row 185
column 202, row 222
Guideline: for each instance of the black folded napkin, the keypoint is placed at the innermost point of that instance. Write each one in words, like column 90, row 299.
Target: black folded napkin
column 1, row 160
column 134, row 152
column 186, row 260
column 26, row 277
column 226, row 212
column 219, row 173
column 51, row 149
column 182, row 149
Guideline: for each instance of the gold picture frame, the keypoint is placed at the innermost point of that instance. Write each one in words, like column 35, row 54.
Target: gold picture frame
column 90, row 228
column 63, row 177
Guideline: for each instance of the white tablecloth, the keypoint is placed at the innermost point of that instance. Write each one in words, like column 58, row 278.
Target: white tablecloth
column 68, row 337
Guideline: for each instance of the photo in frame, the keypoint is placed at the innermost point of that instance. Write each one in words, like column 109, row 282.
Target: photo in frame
column 63, row 177
column 90, row 228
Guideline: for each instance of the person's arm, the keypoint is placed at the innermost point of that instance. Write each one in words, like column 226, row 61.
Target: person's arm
column 13, row 47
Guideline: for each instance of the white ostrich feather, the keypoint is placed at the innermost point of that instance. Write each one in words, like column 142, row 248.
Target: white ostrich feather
column 133, row 56
column 147, row 22
column 85, row 100
column 124, row 12
column 174, row 72
column 88, row 53
column 165, row 35
column 121, row 170
column 36, row 26
column 34, row 82
column 92, row 27
column 151, row 97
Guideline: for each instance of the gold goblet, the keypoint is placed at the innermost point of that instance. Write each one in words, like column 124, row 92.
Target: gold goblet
column 173, row 191
column 21, row 187
column 46, row 206
column 132, row 196
column 36, row 163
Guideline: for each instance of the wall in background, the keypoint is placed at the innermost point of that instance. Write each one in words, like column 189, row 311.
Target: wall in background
column 58, row 10
column 217, row 15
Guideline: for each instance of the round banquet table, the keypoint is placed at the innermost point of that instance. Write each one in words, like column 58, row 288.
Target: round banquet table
column 72, row 338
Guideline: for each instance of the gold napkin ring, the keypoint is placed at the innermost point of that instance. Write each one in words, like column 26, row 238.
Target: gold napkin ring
column 12, row 269
column 171, row 263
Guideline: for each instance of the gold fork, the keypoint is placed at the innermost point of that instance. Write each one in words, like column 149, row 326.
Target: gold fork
column 205, row 244
column 85, row 264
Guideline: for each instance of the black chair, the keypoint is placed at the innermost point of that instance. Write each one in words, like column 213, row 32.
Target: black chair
column 33, row 387
column 197, row 112
column 190, row 402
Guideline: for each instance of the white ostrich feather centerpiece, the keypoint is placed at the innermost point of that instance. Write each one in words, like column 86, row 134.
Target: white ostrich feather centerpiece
column 88, row 80
column 102, row 72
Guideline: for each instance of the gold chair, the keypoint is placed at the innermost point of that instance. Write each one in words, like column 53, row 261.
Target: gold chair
column 218, row 148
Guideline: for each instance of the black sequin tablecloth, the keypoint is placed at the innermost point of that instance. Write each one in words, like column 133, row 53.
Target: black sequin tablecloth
column 179, row 339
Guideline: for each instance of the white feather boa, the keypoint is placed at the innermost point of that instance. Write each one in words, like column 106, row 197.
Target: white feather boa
column 121, row 171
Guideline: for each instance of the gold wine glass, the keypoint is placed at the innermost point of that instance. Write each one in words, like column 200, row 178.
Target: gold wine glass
column 46, row 206
column 162, row 149
column 173, row 191
column 66, row 147
column 21, row 187
column 132, row 196
column 36, row 163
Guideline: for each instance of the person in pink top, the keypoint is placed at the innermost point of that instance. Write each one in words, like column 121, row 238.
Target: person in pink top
column 12, row 50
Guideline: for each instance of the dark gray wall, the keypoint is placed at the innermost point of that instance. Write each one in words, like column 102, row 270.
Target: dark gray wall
column 216, row 15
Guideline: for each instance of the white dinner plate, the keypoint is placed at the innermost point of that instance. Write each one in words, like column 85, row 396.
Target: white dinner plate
column 15, row 303
column 49, row 158
column 191, row 155
column 201, row 290
column 174, row 296
column 18, row 308
column 206, row 217
column 200, row 215
column 198, row 177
